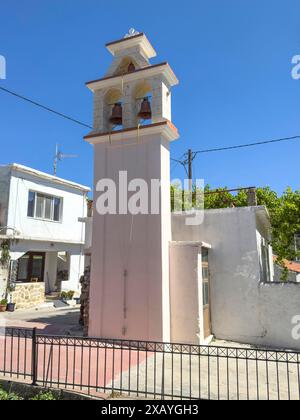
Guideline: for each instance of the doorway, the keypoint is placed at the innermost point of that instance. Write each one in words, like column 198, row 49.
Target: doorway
column 31, row 268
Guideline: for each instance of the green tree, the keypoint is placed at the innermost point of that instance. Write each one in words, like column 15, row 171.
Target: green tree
column 284, row 212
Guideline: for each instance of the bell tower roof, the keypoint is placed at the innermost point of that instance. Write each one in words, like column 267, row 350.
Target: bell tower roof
column 134, row 94
column 133, row 40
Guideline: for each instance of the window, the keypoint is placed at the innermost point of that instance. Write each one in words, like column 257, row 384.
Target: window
column 45, row 207
column 31, row 204
column 31, row 268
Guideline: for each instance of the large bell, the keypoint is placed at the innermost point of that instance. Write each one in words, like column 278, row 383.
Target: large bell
column 117, row 114
column 131, row 68
column 145, row 112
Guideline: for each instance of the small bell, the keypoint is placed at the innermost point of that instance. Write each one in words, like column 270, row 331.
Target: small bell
column 131, row 68
column 117, row 114
column 145, row 112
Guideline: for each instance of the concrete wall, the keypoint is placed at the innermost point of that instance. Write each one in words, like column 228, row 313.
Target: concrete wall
column 292, row 277
column 234, row 268
column 135, row 307
column 278, row 305
column 3, row 281
column 50, row 276
column 75, row 272
column 243, row 308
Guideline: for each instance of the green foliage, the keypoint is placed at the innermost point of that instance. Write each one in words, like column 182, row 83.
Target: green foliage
column 3, row 302
column 67, row 295
column 5, row 396
column 5, row 253
column 44, row 396
column 284, row 212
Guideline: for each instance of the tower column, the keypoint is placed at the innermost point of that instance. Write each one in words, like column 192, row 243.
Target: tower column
column 129, row 289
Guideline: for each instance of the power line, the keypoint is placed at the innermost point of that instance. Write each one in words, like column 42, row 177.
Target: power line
column 190, row 155
column 240, row 146
column 46, row 108
column 184, row 162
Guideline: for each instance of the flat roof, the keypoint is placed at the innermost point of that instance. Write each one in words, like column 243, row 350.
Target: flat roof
column 139, row 40
column 124, row 39
column 44, row 175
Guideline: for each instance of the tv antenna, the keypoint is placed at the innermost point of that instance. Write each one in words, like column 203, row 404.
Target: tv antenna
column 59, row 156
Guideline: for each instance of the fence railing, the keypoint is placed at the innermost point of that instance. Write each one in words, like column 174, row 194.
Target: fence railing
column 149, row 369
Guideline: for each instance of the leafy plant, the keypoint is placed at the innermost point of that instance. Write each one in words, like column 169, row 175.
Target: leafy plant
column 70, row 294
column 5, row 396
column 44, row 396
column 63, row 295
column 5, row 252
column 67, row 295
column 3, row 302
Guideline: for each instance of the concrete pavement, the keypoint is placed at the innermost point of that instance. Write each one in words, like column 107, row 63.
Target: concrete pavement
column 48, row 321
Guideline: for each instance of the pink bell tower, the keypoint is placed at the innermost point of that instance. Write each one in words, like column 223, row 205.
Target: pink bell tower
column 129, row 290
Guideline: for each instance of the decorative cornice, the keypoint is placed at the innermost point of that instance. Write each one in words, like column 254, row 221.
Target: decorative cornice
column 148, row 71
column 166, row 128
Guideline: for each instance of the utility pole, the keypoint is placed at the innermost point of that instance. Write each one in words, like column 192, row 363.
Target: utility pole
column 190, row 168
column 187, row 164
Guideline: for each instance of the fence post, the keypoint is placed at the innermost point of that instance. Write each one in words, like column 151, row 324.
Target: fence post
column 34, row 358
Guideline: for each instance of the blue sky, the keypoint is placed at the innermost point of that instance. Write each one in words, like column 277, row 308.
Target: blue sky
column 233, row 59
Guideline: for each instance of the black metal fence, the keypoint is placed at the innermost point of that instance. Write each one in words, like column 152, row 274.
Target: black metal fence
column 149, row 369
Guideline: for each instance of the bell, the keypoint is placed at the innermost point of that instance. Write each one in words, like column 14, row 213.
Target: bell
column 131, row 68
column 145, row 112
column 117, row 114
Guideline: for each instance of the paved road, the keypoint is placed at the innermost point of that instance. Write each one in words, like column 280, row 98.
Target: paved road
column 48, row 321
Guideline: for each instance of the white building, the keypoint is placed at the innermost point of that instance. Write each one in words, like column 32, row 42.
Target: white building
column 40, row 218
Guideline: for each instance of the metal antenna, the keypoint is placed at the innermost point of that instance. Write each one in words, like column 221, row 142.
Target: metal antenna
column 59, row 156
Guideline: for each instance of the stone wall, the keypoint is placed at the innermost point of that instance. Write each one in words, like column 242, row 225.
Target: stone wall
column 28, row 295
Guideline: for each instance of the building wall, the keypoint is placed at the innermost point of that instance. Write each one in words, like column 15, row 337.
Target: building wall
column 74, row 206
column 135, row 307
column 234, row 269
column 279, row 304
column 4, row 195
column 243, row 307
column 50, row 271
column 75, row 272
column 292, row 277
column 3, row 281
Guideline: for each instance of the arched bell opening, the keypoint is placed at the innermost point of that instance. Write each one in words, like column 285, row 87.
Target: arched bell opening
column 143, row 101
column 127, row 65
column 114, row 109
